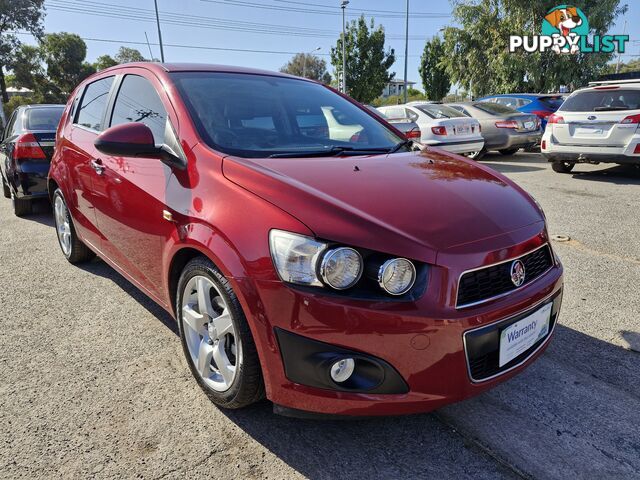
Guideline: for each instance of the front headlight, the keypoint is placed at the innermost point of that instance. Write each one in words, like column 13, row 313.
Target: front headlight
column 296, row 257
column 341, row 268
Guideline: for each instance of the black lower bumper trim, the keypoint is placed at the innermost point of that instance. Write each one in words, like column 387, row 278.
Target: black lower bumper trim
column 308, row 362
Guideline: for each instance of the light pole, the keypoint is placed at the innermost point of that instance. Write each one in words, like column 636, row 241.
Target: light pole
column 304, row 63
column 343, row 5
column 406, row 51
column 155, row 2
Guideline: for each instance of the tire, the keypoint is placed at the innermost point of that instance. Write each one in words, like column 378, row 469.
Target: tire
column 5, row 188
column 21, row 206
column 562, row 167
column 226, row 339
column 508, row 151
column 72, row 247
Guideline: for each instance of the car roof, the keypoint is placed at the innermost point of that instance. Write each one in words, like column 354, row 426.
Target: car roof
column 41, row 105
column 525, row 95
column 197, row 67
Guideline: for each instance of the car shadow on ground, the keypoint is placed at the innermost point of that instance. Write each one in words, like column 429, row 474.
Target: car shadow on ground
column 416, row 446
column 618, row 174
column 101, row 268
column 41, row 212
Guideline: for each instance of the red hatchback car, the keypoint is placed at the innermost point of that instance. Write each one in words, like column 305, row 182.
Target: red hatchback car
column 307, row 250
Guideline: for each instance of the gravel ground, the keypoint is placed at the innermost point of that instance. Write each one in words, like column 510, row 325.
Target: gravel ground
column 93, row 382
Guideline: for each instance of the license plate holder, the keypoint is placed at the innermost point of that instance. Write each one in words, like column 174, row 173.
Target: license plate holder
column 523, row 334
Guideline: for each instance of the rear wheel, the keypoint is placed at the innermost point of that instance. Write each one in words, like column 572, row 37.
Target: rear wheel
column 562, row 167
column 72, row 247
column 508, row 151
column 21, row 206
column 216, row 338
column 5, row 188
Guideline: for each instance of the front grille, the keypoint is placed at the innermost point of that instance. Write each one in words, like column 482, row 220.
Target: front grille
column 482, row 346
column 486, row 283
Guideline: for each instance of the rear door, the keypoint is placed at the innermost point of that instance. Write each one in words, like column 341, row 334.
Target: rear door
column 603, row 116
column 130, row 192
column 82, row 158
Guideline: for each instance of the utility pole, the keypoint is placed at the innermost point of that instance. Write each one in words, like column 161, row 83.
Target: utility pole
column 155, row 2
column 344, row 50
column 304, row 63
column 406, row 52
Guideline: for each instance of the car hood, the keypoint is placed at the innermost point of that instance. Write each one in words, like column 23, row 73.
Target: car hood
column 412, row 204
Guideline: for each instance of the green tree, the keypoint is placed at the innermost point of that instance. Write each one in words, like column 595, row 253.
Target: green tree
column 16, row 15
column 367, row 61
column 126, row 55
column 309, row 66
column 104, row 61
column 435, row 79
column 477, row 52
column 64, row 53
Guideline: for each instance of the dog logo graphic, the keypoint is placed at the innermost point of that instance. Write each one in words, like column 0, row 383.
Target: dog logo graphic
column 566, row 21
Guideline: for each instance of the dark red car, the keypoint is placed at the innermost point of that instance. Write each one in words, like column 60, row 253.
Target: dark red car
column 306, row 250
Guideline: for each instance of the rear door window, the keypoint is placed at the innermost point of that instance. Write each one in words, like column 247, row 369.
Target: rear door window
column 602, row 101
column 94, row 104
column 138, row 101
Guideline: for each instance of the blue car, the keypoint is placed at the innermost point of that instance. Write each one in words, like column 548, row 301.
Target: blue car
column 539, row 104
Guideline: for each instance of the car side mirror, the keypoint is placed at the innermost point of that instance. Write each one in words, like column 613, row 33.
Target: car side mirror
column 135, row 140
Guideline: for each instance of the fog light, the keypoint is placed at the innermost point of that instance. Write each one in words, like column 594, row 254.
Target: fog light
column 397, row 276
column 342, row 370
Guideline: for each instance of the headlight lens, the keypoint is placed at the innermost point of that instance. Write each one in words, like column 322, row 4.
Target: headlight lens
column 341, row 268
column 397, row 276
column 296, row 257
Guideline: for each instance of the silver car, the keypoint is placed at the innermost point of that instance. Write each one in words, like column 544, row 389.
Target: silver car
column 410, row 129
column 504, row 129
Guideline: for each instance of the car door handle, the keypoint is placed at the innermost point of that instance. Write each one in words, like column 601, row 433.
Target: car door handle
column 96, row 164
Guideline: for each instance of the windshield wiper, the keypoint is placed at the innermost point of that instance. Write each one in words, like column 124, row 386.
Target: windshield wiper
column 399, row 146
column 330, row 152
column 604, row 109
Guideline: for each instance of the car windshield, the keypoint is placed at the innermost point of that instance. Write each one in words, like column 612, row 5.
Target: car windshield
column 45, row 118
column 602, row 100
column 260, row 116
column 494, row 108
column 435, row 110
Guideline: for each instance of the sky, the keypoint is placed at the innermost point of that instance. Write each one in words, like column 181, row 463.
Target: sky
column 259, row 33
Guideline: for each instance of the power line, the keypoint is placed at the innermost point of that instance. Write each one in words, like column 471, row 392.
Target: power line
column 372, row 12
column 244, row 3
column 195, row 47
column 108, row 10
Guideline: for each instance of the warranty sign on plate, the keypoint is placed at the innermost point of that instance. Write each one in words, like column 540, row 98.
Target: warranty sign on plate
column 520, row 336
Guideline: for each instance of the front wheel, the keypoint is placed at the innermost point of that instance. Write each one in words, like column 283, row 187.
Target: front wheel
column 216, row 338
column 508, row 151
column 562, row 167
column 72, row 247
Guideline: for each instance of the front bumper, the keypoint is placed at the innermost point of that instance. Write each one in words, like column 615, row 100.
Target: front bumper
column 423, row 341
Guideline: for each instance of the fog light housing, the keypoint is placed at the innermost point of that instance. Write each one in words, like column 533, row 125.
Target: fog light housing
column 396, row 276
column 342, row 370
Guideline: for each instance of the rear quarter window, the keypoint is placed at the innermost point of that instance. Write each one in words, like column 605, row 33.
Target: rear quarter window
column 602, row 100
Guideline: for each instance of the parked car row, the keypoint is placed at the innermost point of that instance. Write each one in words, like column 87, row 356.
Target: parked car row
column 309, row 252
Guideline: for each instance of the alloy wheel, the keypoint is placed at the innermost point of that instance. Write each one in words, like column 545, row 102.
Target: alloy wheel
column 210, row 334
column 62, row 225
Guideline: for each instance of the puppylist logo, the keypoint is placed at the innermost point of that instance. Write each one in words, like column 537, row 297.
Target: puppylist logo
column 565, row 29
